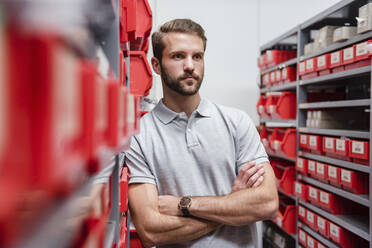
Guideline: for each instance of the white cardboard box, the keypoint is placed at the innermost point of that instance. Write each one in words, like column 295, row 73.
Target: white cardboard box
column 344, row 33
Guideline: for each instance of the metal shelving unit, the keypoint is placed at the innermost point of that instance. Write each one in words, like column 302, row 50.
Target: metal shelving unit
column 361, row 199
column 280, row 66
column 317, row 236
column 336, row 77
column 335, row 104
column 339, row 14
column 335, row 132
column 341, row 163
column 353, row 223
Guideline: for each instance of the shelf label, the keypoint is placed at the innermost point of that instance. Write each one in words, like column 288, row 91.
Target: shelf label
column 302, row 236
column 300, row 163
column 335, row 57
column 334, row 230
column 271, row 109
column 346, row 176
column 313, row 141
column 261, row 109
column 357, row 147
column 284, row 74
column 302, row 211
column 360, row 49
column 302, row 67
column 329, row 143
column 320, row 168
column 321, row 61
column 324, row 197
column 131, row 109
column 303, row 139
column 321, row 223
column 313, row 193
column 276, row 145
column 298, row 188
column 309, row 64
column 310, row 242
column 265, row 142
column 311, row 165
column 332, row 172
column 349, row 53
column 278, row 75
column 340, row 145
column 272, row 76
column 310, row 217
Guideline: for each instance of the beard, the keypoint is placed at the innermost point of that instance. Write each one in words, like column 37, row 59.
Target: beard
column 176, row 85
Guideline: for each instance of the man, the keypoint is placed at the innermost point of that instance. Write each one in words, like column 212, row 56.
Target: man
column 191, row 182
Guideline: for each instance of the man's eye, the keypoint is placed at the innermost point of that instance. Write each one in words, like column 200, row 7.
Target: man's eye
column 198, row 57
column 177, row 56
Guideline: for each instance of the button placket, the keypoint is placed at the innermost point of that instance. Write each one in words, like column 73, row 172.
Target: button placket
column 190, row 136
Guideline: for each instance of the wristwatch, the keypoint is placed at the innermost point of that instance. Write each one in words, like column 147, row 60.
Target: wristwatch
column 184, row 205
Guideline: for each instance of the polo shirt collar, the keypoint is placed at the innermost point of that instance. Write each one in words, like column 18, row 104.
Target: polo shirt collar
column 166, row 115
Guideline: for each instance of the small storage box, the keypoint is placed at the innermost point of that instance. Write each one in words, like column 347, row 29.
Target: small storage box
column 301, row 190
column 359, row 149
column 304, row 143
column 331, row 202
column 348, row 55
column 282, row 107
column 313, row 195
column 323, row 62
column 334, row 175
column 354, row 181
column 311, row 219
column 321, row 171
column 322, row 226
column 315, row 143
column 310, row 65
column 302, row 237
column 311, row 167
column 336, row 59
column 329, row 145
column 301, row 213
column 301, row 165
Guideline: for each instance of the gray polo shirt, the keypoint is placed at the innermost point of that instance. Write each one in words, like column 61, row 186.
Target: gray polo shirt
column 198, row 156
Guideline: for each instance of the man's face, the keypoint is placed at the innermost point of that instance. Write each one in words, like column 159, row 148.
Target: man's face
column 182, row 65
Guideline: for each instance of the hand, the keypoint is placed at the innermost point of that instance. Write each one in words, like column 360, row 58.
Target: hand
column 251, row 175
column 168, row 205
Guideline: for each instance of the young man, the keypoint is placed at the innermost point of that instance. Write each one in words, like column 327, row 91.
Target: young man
column 191, row 182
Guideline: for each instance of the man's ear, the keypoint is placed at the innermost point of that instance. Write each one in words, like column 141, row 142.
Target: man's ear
column 156, row 65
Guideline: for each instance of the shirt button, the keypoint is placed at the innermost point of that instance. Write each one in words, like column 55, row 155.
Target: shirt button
column 188, row 130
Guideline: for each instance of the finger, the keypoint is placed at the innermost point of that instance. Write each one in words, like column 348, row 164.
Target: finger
column 248, row 174
column 254, row 178
column 258, row 182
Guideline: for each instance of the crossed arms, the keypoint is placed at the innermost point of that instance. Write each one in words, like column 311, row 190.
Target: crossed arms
column 158, row 220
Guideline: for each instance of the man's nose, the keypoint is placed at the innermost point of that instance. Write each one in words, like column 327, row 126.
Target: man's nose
column 188, row 64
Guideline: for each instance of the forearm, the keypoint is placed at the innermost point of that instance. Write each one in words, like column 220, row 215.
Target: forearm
column 240, row 207
column 163, row 229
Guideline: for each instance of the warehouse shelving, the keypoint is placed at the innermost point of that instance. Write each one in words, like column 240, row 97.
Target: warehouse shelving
column 353, row 223
column 343, row 12
column 280, row 66
column 335, row 104
column 281, row 157
column 317, row 236
column 339, row 45
column 361, row 199
column 338, row 162
column 336, row 77
column 289, row 196
column 289, row 123
column 336, row 132
column 288, row 86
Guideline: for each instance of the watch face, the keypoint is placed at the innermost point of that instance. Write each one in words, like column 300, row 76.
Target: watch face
column 185, row 201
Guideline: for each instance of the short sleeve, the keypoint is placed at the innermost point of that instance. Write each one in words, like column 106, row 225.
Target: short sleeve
column 249, row 146
column 138, row 167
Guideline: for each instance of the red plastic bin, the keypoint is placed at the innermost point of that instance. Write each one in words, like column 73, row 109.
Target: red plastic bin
column 282, row 107
column 261, row 110
column 278, row 76
column 301, row 68
column 283, row 142
column 311, row 167
column 300, row 190
column 340, row 235
column 361, row 51
column 315, row 144
column 135, row 241
column 285, row 178
column 301, row 213
column 359, row 149
column 302, row 237
column 329, row 145
column 334, row 175
column 321, row 171
column 272, row 78
column 124, row 178
column 342, row 147
column 301, row 165
column 323, row 62
column 336, row 59
column 310, row 65
column 311, row 242
column 266, row 80
column 140, row 74
column 348, row 55
column 286, row 218
column 265, row 135
column 313, row 195
column 332, row 203
column 304, row 141
column 311, row 219
column 288, row 74
column 322, row 226
column 354, row 181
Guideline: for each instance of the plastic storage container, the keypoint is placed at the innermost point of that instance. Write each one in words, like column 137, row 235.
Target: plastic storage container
column 282, row 107
column 283, row 142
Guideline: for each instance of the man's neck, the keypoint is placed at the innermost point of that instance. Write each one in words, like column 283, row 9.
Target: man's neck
column 179, row 103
